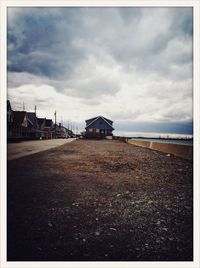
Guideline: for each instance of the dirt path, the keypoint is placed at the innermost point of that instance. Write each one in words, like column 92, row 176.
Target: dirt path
column 24, row 148
column 100, row 200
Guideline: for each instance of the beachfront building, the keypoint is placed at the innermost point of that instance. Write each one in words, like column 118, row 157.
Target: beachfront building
column 9, row 119
column 99, row 127
column 46, row 128
column 41, row 125
column 61, row 132
column 33, row 127
column 20, row 124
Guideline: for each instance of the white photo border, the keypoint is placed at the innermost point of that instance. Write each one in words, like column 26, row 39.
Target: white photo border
column 4, row 4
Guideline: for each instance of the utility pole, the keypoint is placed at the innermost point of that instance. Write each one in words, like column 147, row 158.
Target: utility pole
column 35, row 117
column 55, row 117
column 23, row 106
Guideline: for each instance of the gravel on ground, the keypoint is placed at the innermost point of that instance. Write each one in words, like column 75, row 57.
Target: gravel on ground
column 100, row 201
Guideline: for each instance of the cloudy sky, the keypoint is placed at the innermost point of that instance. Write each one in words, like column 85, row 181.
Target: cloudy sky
column 131, row 65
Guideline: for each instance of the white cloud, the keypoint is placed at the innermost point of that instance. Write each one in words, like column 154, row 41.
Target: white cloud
column 129, row 64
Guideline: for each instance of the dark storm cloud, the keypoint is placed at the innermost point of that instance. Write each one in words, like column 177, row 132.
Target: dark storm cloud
column 154, row 43
column 51, row 42
column 40, row 42
column 129, row 62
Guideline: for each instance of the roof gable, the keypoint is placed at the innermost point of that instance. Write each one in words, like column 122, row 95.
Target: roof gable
column 19, row 117
column 32, row 119
column 89, row 121
column 99, row 122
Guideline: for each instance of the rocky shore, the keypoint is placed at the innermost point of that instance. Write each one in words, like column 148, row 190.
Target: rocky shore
column 100, row 201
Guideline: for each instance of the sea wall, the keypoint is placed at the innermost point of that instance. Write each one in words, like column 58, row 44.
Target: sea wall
column 183, row 151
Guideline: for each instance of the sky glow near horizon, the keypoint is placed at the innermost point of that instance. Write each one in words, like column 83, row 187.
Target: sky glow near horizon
column 131, row 65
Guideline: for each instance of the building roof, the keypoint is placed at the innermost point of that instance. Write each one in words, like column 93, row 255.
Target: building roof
column 92, row 120
column 18, row 117
column 40, row 121
column 32, row 119
column 48, row 123
column 88, row 121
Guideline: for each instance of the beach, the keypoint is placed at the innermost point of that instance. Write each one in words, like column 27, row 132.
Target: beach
column 100, row 200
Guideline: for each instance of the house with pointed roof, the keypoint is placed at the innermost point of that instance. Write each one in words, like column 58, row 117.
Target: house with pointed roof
column 41, row 125
column 48, row 129
column 9, row 119
column 20, row 124
column 98, row 127
column 33, row 127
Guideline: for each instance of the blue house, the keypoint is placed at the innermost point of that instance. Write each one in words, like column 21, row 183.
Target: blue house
column 98, row 127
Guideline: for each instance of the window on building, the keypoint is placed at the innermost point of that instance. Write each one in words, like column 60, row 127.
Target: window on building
column 97, row 130
column 90, row 129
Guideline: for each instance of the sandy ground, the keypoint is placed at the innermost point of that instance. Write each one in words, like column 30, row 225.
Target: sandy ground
column 100, row 201
column 24, row 148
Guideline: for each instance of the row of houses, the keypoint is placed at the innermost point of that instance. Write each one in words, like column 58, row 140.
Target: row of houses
column 26, row 125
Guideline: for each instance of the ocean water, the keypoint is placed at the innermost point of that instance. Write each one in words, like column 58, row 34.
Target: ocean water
column 152, row 135
column 174, row 141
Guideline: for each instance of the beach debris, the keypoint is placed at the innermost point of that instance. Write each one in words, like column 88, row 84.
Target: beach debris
column 113, row 229
column 97, row 233
column 50, row 224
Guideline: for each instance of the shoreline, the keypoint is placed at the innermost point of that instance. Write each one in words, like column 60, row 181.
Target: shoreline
column 166, row 140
